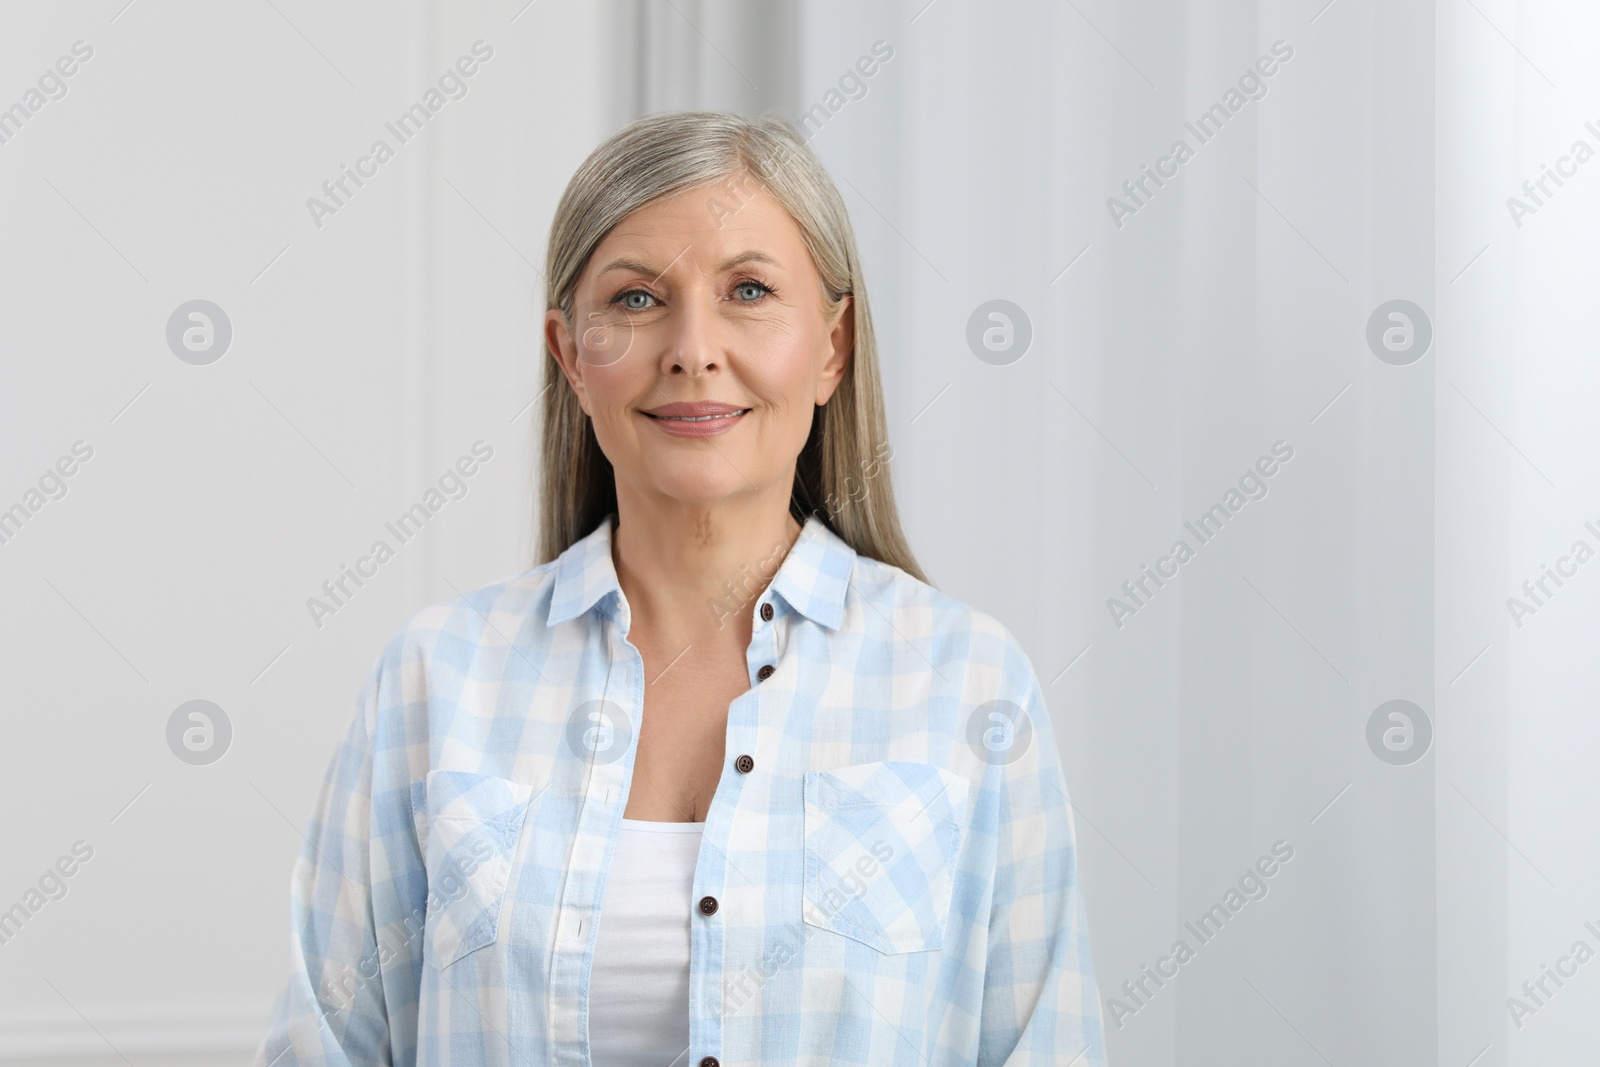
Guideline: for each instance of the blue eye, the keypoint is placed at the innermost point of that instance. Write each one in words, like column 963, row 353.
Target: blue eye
column 750, row 292
column 632, row 299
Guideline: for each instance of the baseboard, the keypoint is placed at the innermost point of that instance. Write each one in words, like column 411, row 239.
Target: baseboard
column 226, row 1034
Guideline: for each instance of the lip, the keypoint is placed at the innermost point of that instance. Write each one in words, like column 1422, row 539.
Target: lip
column 693, row 409
column 710, row 418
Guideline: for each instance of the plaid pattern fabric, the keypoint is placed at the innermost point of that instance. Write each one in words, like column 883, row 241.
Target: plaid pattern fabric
column 895, row 877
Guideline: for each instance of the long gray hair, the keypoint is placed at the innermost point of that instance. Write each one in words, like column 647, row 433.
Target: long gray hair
column 842, row 474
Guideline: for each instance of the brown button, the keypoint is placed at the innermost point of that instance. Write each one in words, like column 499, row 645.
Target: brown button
column 766, row 612
column 764, row 673
column 708, row 905
column 744, row 764
column 709, row 1061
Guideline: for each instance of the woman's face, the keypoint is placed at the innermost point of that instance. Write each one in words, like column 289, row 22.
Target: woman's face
column 701, row 343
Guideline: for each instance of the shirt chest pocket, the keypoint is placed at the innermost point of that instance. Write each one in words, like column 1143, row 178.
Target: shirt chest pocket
column 881, row 840
column 470, row 824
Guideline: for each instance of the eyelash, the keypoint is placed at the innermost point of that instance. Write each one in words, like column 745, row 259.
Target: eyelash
column 766, row 290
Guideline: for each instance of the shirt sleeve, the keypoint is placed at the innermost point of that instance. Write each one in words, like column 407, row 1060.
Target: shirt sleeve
column 1040, row 1001
column 357, row 905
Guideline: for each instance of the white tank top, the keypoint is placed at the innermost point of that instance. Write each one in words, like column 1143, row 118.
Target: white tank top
column 639, row 978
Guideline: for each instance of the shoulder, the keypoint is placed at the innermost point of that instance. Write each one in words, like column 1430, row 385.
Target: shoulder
column 892, row 606
column 968, row 672
column 447, row 637
column 888, row 594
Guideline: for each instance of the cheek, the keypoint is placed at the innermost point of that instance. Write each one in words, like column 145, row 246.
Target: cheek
column 611, row 392
column 784, row 375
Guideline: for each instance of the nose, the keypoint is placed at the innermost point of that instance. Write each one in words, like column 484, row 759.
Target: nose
column 693, row 348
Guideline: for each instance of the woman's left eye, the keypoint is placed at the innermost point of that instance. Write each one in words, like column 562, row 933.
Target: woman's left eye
column 750, row 292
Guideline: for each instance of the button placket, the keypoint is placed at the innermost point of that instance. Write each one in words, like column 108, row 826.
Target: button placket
column 762, row 655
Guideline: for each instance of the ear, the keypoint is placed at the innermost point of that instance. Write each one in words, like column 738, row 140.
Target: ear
column 841, row 344
column 559, row 339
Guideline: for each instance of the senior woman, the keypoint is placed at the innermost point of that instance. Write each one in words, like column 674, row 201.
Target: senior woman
column 724, row 782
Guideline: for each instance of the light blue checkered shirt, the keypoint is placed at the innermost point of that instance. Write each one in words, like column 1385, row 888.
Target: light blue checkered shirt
column 893, row 880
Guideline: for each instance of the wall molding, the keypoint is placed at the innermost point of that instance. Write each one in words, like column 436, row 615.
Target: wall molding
column 231, row 1032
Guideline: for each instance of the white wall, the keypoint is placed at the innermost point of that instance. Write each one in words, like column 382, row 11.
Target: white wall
column 1518, row 796
column 1170, row 352
column 369, row 355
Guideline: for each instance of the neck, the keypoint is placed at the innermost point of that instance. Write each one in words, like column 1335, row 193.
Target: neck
column 689, row 570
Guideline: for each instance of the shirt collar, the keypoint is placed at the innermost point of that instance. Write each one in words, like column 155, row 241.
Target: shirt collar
column 812, row 579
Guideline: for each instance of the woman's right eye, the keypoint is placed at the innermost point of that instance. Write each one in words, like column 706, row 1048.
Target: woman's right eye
column 634, row 299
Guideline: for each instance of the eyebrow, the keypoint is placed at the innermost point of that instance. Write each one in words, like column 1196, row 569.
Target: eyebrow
column 625, row 264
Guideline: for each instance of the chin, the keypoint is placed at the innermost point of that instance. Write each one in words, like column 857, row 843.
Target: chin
column 703, row 481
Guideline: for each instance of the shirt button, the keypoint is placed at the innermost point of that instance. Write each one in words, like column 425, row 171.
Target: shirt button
column 766, row 612
column 764, row 673
column 708, row 906
column 709, row 1061
column 744, row 764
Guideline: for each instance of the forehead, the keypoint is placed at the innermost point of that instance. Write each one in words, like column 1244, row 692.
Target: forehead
column 702, row 227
